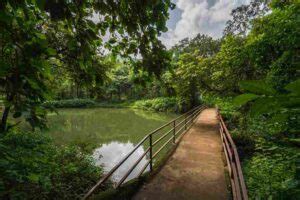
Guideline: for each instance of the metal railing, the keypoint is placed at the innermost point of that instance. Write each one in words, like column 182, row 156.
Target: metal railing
column 239, row 190
column 175, row 131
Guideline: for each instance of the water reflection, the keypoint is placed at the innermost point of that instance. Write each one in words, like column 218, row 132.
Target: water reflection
column 108, row 155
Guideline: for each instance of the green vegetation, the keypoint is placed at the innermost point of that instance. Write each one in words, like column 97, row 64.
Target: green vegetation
column 54, row 50
column 58, row 57
column 159, row 104
column 162, row 104
column 46, row 45
column 32, row 167
column 269, row 158
column 253, row 78
column 70, row 103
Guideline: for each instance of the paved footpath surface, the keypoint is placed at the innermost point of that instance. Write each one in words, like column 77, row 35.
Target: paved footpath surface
column 195, row 170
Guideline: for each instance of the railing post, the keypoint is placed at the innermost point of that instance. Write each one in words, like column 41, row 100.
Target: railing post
column 150, row 152
column 193, row 116
column 185, row 121
column 174, row 131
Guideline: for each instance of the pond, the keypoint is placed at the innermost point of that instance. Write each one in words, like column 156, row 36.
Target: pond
column 108, row 133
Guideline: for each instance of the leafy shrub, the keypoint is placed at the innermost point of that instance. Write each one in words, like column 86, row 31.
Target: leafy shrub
column 31, row 167
column 70, row 103
column 158, row 104
column 245, row 143
column 268, row 160
column 227, row 109
column 224, row 103
column 272, row 172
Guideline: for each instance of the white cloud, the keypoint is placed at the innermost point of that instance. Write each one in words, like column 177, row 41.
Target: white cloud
column 200, row 16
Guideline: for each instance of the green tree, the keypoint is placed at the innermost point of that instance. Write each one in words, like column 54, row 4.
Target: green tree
column 205, row 46
column 230, row 65
column 119, row 81
column 35, row 34
column 273, row 44
column 242, row 16
column 186, row 80
column 24, row 60
column 271, row 103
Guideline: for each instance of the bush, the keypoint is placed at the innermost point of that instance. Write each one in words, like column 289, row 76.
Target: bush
column 229, row 112
column 70, row 103
column 224, row 103
column 245, row 143
column 160, row 104
column 269, row 163
column 31, row 167
column 272, row 172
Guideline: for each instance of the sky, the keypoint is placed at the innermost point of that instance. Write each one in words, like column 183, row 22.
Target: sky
column 191, row 17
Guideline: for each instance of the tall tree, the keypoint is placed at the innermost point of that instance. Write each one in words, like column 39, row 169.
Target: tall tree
column 35, row 34
column 205, row 45
column 243, row 15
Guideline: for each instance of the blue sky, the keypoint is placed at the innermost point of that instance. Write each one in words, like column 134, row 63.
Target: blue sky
column 191, row 17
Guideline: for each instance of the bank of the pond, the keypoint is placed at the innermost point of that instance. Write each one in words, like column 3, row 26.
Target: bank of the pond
column 85, row 103
column 159, row 104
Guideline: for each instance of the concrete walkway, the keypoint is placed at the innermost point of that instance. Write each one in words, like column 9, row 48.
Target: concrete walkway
column 195, row 170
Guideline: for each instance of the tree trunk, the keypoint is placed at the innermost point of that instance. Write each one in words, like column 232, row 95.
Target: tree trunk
column 77, row 90
column 119, row 93
column 4, row 119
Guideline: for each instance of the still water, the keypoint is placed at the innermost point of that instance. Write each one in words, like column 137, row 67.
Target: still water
column 108, row 133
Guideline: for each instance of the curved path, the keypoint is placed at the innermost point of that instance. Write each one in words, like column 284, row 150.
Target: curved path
column 195, row 170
